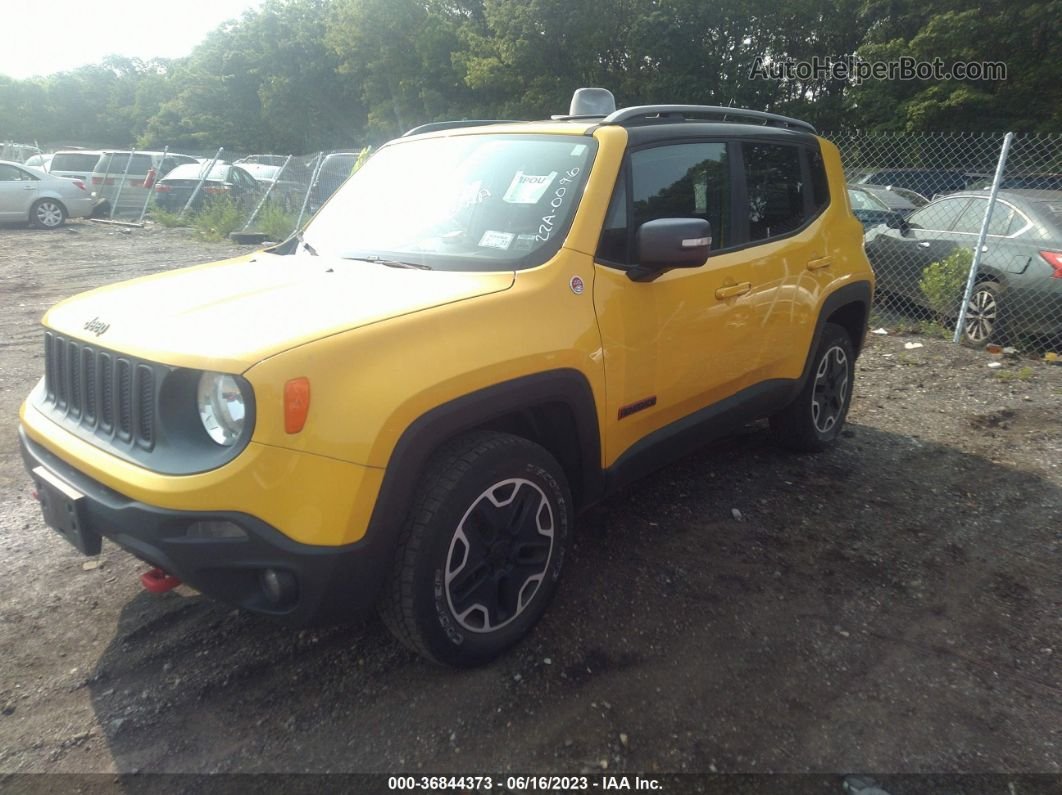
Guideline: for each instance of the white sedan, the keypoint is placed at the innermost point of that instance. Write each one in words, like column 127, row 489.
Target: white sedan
column 29, row 194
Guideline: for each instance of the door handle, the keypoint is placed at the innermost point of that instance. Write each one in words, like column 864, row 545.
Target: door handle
column 924, row 243
column 733, row 290
column 28, row 187
column 819, row 263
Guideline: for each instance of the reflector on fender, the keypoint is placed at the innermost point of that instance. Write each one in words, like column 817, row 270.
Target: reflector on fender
column 296, row 404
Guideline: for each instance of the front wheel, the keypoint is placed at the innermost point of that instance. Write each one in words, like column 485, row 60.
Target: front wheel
column 815, row 417
column 481, row 551
column 47, row 214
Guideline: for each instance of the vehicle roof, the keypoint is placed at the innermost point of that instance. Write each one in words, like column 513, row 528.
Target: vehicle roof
column 184, row 168
column 1012, row 194
column 884, row 194
column 638, row 132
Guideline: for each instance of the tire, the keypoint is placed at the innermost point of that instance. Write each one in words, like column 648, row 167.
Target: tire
column 481, row 550
column 813, row 420
column 984, row 319
column 47, row 214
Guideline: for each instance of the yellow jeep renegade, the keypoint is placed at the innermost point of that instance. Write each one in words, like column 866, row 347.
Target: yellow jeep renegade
column 488, row 328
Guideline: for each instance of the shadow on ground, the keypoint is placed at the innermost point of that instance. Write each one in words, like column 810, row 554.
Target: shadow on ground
column 887, row 606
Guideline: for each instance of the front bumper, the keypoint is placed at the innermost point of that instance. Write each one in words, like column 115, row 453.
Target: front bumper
column 332, row 583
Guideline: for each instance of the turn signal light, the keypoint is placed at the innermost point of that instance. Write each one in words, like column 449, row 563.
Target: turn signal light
column 296, row 404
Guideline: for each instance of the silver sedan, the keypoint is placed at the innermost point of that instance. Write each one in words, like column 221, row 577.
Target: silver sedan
column 28, row 194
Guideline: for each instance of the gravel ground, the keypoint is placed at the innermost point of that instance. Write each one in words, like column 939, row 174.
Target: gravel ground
column 891, row 605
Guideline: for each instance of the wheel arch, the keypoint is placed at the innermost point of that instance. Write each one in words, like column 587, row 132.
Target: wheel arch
column 48, row 197
column 555, row 409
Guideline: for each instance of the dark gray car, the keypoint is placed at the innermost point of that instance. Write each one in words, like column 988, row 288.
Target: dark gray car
column 1019, row 284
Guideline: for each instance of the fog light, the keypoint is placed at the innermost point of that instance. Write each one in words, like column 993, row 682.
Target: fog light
column 216, row 529
column 279, row 587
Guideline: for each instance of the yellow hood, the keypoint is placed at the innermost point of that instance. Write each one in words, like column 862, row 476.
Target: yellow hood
column 229, row 315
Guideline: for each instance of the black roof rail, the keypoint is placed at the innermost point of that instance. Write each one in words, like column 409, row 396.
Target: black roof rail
column 683, row 112
column 435, row 126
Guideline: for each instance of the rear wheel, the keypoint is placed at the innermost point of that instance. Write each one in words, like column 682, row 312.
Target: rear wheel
column 481, row 551
column 815, row 417
column 47, row 214
column 983, row 322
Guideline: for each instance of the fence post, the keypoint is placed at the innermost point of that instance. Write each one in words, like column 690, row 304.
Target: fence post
column 106, row 175
column 309, row 190
column 151, row 190
column 125, row 176
column 202, row 178
column 971, row 279
column 273, row 184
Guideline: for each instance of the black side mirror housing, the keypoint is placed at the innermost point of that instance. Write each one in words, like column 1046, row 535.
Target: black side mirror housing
column 897, row 221
column 667, row 243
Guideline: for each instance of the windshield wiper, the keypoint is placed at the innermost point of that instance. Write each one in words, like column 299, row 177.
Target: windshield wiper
column 391, row 263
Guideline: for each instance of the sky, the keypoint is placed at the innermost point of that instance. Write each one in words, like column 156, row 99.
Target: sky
column 65, row 34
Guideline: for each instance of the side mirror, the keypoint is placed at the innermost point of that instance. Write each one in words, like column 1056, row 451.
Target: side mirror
column 667, row 243
column 897, row 221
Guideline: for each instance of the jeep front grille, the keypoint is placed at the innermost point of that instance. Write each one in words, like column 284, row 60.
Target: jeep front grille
column 111, row 394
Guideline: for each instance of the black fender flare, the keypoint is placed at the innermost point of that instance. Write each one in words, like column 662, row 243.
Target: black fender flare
column 424, row 435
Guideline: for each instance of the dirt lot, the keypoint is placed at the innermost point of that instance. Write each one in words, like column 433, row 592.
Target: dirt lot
column 892, row 605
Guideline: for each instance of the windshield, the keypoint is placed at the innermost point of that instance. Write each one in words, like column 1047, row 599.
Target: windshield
column 473, row 202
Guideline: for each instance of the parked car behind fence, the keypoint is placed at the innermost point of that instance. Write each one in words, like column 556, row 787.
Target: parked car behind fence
column 30, row 195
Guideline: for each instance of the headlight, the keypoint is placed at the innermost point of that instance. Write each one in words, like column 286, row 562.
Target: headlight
column 221, row 407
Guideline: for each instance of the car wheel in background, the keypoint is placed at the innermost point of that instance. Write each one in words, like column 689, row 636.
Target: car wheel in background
column 47, row 214
column 983, row 322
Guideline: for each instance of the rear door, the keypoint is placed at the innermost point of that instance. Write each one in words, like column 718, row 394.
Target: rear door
column 18, row 191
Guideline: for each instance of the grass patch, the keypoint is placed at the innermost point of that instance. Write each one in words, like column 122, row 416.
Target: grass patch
column 274, row 221
column 217, row 219
column 1024, row 374
column 167, row 219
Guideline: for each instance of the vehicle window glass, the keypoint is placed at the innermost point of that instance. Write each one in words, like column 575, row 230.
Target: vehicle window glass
column 937, row 216
column 820, row 186
column 1017, row 222
column 466, row 202
column 74, row 161
column 12, row 174
column 861, row 200
column 683, row 181
column 773, row 183
column 973, row 216
column 614, row 237
column 1001, row 218
column 115, row 163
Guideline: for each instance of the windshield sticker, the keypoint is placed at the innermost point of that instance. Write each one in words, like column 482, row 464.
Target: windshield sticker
column 527, row 188
column 525, row 242
column 500, row 240
column 545, row 229
column 578, row 149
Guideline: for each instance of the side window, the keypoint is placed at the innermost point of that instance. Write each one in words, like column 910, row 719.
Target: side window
column 774, row 186
column 969, row 220
column 938, row 216
column 683, row 181
column 973, row 216
column 10, row 173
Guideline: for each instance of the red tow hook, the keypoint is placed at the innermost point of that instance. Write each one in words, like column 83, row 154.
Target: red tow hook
column 158, row 581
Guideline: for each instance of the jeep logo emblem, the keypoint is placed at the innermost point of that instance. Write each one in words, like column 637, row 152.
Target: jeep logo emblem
column 96, row 326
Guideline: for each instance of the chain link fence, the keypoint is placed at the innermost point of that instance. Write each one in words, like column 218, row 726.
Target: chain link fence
column 925, row 200
column 926, row 203
column 259, row 197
